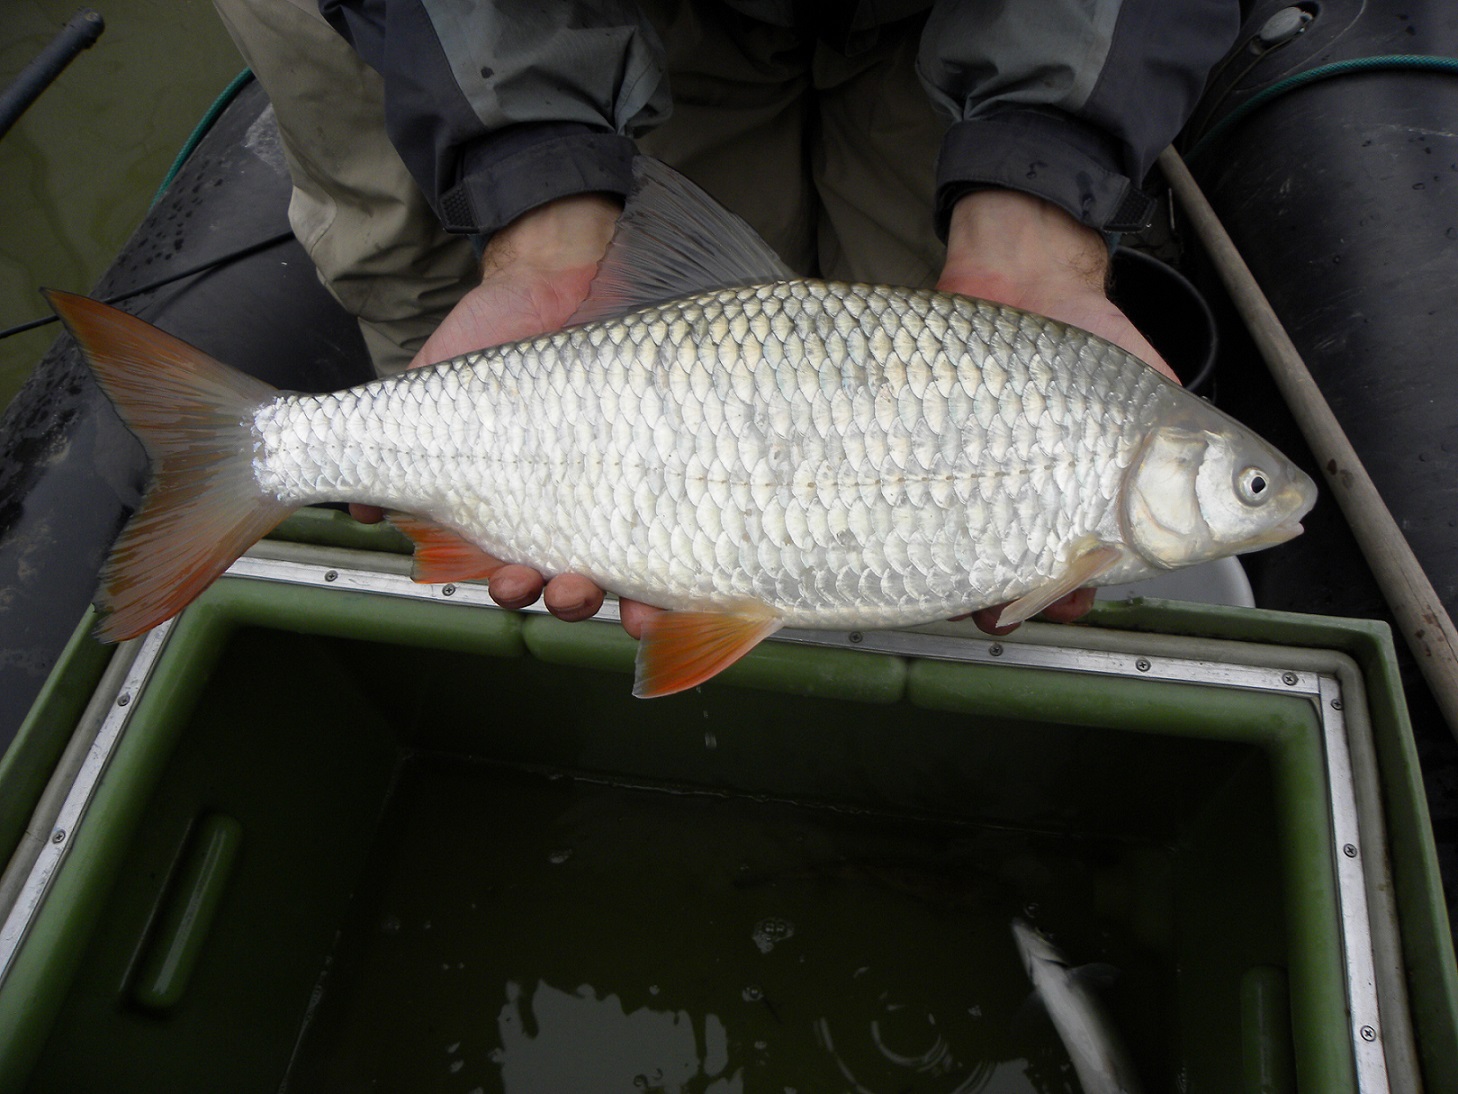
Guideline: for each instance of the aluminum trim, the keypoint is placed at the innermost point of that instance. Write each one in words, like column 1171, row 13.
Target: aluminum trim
column 73, row 809
column 909, row 643
column 1360, row 964
column 347, row 579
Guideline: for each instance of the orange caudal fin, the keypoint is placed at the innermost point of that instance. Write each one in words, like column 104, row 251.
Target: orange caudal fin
column 679, row 650
column 202, row 508
column 443, row 555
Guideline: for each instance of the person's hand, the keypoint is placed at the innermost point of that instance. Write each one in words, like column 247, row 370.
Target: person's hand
column 534, row 274
column 1017, row 249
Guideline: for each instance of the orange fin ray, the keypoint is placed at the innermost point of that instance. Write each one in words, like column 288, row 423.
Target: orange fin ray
column 202, row 508
column 441, row 554
column 1089, row 564
column 681, row 649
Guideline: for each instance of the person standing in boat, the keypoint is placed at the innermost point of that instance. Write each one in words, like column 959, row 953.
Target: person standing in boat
column 459, row 165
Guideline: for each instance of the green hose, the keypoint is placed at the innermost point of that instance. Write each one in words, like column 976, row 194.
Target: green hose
column 200, row 130
column 1410, row 62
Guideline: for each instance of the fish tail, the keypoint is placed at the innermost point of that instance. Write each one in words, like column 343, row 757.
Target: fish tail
column 202, row 507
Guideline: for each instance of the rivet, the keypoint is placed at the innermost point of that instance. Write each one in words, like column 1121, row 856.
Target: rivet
column 331, row 575
column 856, row 638
column 58, row 836
column 995, row 650
column 449, row 590
column 1290, row 679
column 1142, row 664
column 1350, row 850
column 1336, row 704
column 1368, row 1033
column 123, row 699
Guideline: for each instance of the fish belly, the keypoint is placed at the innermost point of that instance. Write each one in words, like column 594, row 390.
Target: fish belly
column 845, row 454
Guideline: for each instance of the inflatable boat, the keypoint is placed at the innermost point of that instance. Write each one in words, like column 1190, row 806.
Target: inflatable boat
column 330, row 829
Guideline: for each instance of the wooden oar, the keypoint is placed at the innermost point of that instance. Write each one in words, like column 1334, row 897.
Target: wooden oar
column 1420, row 615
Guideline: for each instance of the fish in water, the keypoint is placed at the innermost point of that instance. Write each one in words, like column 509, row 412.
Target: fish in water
column 1098, row 1056
column 714, row 436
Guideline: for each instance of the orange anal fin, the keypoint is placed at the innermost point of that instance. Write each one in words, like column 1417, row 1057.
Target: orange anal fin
column 1085, row 567
column 442, row 555
column 680, row 650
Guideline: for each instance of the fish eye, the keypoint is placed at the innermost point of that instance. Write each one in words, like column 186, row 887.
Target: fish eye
column 1254, row 485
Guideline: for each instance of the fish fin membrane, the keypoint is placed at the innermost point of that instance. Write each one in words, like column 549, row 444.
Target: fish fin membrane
column 202, row 507
column 682, row 649
column 1086, row 567
column 441, row 554
column 674, row 240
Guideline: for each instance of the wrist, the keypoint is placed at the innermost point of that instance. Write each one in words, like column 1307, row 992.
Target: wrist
column 1019, row 245
column 569, row 232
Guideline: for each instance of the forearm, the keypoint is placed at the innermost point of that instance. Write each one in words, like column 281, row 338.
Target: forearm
column 534, row 274
column 1066, row 100
column 1016, row 245
column 498, row 107
column 566, row 233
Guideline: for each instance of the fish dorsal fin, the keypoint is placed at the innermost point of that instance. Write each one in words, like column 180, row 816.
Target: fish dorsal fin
column 674, row 240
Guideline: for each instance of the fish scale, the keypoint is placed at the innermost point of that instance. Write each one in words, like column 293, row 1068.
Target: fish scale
column 726, row 447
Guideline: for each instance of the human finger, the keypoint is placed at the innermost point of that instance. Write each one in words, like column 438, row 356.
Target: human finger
column 572, row 597
column 633, row 614
column 515, row 586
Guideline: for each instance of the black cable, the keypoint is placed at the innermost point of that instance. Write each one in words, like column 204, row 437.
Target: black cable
column 204, row 267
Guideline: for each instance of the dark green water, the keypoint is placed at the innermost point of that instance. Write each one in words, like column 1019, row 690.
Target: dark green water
column 79, row 169
column 527, row 934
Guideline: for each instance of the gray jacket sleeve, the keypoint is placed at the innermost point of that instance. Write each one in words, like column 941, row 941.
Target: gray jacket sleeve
column 498, row 107
column 1065, row 99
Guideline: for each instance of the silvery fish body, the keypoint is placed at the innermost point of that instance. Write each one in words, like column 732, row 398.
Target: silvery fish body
column 1098, row 1055
column 847, row 455
column 712, row 435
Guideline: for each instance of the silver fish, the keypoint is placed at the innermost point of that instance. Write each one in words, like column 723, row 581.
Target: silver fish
column 1095, row 1049
column 713, row 436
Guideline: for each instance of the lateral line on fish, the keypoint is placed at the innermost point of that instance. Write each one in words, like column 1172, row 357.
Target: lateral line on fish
column 499, row 462
column 1000, row 473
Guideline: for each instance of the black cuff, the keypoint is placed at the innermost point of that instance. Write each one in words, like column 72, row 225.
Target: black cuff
column 1050, row 156
column 520, row 168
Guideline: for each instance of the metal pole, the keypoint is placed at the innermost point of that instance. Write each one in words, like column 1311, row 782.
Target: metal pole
column 79, row 33
column 1421, row 617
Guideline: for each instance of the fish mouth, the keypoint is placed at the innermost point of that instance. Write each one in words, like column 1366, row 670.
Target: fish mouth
column 1280, row 533
column 1296, row 501
column 1289, row 530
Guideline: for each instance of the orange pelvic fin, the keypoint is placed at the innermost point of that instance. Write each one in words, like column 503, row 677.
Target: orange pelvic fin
column 442, row 555
column 680, row 650
column 202, row 508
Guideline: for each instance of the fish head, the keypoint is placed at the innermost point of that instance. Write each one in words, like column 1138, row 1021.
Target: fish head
column 1033, row 946
column 1205, row 487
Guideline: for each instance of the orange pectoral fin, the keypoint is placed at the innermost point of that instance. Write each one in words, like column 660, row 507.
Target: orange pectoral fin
column 679, row 650
column 1096, row 560
column 442, row 555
